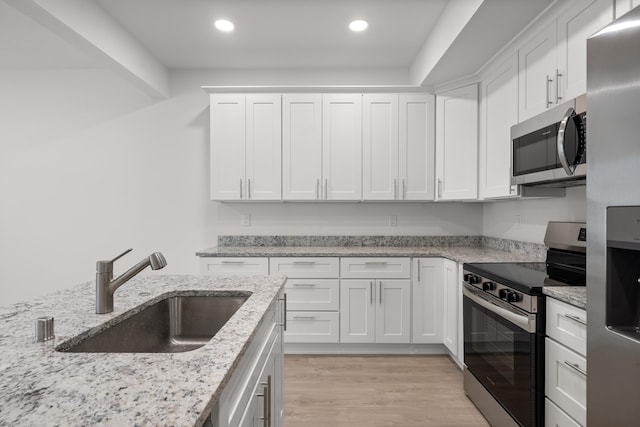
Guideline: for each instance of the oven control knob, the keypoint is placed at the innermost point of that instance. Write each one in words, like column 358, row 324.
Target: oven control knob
column 488, row 286
column 473, row 279
column 513, row 297
column 504, row 294
column 466, row 277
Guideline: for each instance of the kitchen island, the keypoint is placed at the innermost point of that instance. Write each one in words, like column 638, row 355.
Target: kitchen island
column 42, row 386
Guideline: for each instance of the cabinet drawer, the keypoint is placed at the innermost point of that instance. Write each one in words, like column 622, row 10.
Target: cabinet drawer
column 375, row 268
column 313, row 294
column 305, row 267
column 566, row 380
column 312, row 327
column 556, row 417
column 215, row 266
column 567, row 324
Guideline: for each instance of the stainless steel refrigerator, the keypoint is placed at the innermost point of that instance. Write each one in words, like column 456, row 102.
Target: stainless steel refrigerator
column 613, row 224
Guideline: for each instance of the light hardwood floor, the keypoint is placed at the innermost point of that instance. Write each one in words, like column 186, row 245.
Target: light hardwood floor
column 376, row 391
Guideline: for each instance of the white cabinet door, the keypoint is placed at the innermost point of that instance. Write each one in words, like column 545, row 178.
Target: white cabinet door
column 567, row 324
column 301, row 146
column 380, row 147
column 357, row 311
column 427, row 300
column 556, row 417
column 393, row 311
column 227, row 266
column 416, row 145
column 264, row 147
column 575, row 25
column 342, row 146
column 227, row 146
column 566, row 380
column 452, row 295
column 457, row 144
column 537, row 69
column 499, row 112
column 624, row 6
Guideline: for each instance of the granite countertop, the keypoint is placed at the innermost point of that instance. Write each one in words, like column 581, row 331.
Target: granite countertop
column 455, row 253
column 41, row 386
column 574, row 295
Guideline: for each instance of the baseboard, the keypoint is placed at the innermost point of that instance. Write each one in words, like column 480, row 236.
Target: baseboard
column 408, row 349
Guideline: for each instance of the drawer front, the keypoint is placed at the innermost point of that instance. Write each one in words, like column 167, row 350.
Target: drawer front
column 224, row 266
column 566, row 380
column 556, row 417
column 567, row 324
column 305, row 267
column 313, row 294
column 375, row 268
column 312, row 327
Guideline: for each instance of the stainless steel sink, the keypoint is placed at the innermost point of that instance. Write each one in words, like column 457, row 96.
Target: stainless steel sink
column 172, row 325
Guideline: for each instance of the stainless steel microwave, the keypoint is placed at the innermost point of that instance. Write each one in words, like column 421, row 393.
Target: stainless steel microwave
column 551, row 149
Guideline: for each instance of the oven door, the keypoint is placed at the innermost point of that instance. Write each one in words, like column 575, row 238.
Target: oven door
column 500, row 350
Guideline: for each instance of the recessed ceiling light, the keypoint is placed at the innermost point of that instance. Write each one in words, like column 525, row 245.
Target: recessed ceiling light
column 358, row 25
column 224, row 25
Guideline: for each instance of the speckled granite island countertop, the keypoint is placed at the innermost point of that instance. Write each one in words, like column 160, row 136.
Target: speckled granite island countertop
column 41, row 386
column 455, row 253
column 574, row 295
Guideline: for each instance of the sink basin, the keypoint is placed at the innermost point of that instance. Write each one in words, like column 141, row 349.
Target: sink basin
column 172, row 325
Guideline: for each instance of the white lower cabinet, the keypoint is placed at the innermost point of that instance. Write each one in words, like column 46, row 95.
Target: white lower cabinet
column 255, row 390
column 565, row 365
column 452, row 311
column 375, row 311
column 427, row 300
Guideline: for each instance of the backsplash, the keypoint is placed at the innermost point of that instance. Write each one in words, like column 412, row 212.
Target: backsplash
column 513, row 246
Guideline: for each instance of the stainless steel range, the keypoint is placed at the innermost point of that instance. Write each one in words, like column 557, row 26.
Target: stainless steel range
column 504, row 321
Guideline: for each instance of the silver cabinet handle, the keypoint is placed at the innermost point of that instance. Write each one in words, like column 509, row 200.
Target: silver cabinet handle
column 549, row 81
column 439, row 188
column 558, row 97
column 318, row 189
column 284, row 321
column 371, row 292
column 304, row 285
column 326, row 189
column 404, row 191
column 576, row 368
column 240, row 188
column 562, row 155
column 380, row 290
column 232, row 262
column 266, row 402
column 249, row 188
column 395, row 189
column 304, row 317
column 375, row 262
column 575, row 319
column 304, row 262
column 418, row 270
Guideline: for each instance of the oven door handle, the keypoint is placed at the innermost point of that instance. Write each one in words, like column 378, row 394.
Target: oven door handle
column 523, row 322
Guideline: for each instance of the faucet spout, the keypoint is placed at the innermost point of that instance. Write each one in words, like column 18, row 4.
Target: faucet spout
column 105, row 287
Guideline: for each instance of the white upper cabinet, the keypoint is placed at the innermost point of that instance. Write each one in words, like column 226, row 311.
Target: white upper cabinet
column 457, row 144
column 342, row 146
column 583, row 19
column 498, row 113
column 624, row 6
column 553, row 63
column 380, row 147
column 537, row 63
column 417, row 147
column 301, row 146
column 398, row 147
column 245, row 147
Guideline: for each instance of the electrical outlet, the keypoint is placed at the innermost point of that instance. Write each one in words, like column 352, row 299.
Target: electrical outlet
column 393, row 220
column 245, row 220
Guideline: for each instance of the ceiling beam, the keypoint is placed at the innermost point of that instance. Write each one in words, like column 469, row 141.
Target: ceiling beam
column 85, row 25
column 455, row 16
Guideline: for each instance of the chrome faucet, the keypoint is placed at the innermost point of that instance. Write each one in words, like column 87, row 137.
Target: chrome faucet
column 105, row 287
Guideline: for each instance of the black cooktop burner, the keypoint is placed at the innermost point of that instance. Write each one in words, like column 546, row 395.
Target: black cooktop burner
column 527, row 277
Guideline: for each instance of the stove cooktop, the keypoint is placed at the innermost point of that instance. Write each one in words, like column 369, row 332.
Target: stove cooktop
column 527, row 277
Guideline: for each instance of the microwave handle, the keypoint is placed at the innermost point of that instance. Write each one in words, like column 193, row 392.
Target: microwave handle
column 562, row 155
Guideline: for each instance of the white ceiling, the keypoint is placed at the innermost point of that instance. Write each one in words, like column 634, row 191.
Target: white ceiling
column 278, row 33
column 275, row 34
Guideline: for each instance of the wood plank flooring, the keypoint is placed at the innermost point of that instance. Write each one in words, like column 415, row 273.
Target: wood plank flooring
column 376, row 391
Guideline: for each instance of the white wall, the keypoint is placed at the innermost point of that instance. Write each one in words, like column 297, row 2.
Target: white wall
column 500, row 219
column 89, row 166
